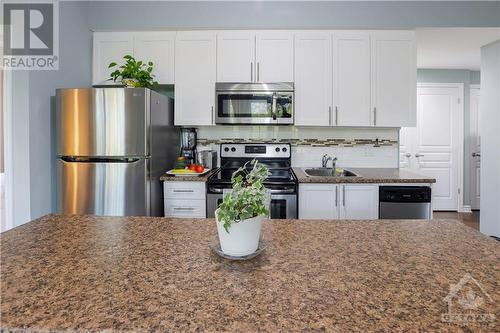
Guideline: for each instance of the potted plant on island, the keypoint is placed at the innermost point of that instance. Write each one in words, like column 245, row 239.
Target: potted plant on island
column 240, row 215
column 133, row 73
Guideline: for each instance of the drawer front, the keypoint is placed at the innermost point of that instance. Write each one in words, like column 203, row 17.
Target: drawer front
column 184, row 190
column 185, row 208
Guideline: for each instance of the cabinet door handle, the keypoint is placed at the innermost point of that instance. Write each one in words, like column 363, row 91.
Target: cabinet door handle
column 330, row 115
column 251, row 71
column 258, row 71
column 343, row 195
column 183, row 191
column 374, row 116
column 408, row 155
column 336, row 115
column 183, row 208
column 213, row 116
column 336, row 196
column 419, row 155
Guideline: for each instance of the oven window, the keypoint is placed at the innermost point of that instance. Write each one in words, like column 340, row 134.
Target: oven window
column 278, row 208
column 245, row 106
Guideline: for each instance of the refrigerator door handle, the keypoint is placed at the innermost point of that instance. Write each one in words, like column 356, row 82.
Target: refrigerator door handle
column 71, row 159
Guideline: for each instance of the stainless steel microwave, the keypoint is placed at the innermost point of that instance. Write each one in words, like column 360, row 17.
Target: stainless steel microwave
column 254, row 103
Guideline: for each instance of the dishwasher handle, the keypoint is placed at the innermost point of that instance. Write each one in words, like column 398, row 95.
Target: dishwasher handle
column 404, row 194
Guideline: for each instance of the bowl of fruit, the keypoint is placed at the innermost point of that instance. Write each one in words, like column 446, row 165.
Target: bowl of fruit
column 182, row 168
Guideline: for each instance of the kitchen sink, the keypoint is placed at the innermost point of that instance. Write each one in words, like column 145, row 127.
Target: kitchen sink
column 328, row 172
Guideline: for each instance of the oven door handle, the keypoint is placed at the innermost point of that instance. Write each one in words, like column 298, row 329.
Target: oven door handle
column 284, row 191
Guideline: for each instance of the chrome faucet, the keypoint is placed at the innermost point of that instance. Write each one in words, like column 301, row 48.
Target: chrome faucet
column 325, row 159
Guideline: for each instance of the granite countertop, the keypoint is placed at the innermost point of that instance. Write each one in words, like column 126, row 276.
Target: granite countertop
column 86, row 273
column 203, row 178
column 367, row 175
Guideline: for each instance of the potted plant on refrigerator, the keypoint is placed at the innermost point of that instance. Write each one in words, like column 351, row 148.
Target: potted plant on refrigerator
column 133, row 73
column 240, row 215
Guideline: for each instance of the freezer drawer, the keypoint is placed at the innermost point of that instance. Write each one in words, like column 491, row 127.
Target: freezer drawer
column 102, row 122
column 116, row 188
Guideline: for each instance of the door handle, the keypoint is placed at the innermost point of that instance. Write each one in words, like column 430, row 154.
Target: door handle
column 213, row 116
column 336, row 196
column 374, row 116
column 330, row 115
column 343, row 195
column 251, row 71
column 336, row 115
column 476, row 154
column 258, row 71
column 419, row 155
column 408, row 155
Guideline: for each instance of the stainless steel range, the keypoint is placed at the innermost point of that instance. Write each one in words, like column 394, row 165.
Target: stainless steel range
column 282, row 183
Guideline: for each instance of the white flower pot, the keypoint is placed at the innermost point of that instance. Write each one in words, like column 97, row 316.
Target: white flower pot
column 242, row 238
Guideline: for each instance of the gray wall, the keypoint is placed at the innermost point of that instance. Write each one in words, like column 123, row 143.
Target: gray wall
column 467, row 78
column 78, row 18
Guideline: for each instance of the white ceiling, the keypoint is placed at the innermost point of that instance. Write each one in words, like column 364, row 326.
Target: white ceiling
column 453, row 48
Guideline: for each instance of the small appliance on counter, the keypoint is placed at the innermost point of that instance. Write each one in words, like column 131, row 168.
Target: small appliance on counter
column 188, row 144
column 207, row 158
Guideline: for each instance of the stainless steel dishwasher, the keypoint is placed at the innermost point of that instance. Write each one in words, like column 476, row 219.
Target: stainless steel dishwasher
column 404, row 202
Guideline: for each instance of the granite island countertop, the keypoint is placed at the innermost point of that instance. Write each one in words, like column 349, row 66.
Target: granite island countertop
column 367, row 175
column 86, row 273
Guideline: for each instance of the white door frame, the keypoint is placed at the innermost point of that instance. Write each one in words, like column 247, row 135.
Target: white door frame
column 8, row 157
column 461, row 161
column 471, row 145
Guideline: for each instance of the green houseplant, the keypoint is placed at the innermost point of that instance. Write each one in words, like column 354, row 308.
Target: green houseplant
column 239, row 217
column 133, row 73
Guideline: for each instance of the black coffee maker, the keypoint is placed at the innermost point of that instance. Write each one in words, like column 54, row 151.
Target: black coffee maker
column 188, row 144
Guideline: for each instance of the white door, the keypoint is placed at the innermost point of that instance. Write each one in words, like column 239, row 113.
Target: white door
column 157, row 47
column 351, row 79
column 406, row 137
column 274, row 56
column 236, row 56
column 393, row 83
column 475, row 149
column 318, row 201
column 195, row 73
column 313, row 79
column 109, row 47
column 359, row 202
column 436, row 144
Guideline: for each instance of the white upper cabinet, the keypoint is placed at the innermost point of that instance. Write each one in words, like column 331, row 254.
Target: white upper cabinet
column 157, row 47
column 274, row 57
column 235, row 56
column 313, row 79
column 195, row 75
column 109, row 47
column 358, row 202
column 394, row 83
column 351, row 79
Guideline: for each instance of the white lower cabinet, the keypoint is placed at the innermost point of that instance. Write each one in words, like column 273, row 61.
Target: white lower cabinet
column 184, row 199
column 342, row 201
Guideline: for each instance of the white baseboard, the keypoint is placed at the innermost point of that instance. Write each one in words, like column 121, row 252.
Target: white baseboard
column 466, row 209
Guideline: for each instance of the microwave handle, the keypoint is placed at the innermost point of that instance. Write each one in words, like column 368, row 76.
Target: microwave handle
column 273, row 109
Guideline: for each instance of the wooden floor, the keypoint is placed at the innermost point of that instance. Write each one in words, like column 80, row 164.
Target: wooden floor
column 471, row 220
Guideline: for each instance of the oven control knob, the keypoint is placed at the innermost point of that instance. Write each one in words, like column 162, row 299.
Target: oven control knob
column 233, row 149
column 226, row 149
column 277, row 149
column 283, row 149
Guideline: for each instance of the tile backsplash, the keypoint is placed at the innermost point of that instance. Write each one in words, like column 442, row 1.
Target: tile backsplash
column 354, row 147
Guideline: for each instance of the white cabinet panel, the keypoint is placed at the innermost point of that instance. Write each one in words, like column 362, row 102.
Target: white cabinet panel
column 351, row 79
column 359, row 202
column 158, row 47
column 109, row 47
column 184, row 190
column 195, row 73
column 313, row 79
column 274, row 56
column 235, row 56
column 394, row 84
column 318, row 201
column 185, row 208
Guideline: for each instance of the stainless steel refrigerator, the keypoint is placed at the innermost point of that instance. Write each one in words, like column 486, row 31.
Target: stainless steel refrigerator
column 113, row 144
